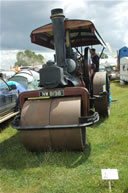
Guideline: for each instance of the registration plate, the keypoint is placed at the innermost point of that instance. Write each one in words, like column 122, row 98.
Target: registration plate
column 55, row 93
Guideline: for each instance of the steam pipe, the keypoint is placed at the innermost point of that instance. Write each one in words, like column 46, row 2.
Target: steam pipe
column 57, row 18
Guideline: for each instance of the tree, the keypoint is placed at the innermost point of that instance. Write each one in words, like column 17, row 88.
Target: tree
column 29, row 58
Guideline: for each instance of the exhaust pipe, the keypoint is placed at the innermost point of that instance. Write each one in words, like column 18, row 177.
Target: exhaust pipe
column 52, row 75
column 57, row 18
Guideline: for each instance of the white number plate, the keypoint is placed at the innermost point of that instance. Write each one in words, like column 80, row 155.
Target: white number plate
column 55, row 93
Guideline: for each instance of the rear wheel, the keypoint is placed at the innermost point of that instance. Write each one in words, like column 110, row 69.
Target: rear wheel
column 101, row 88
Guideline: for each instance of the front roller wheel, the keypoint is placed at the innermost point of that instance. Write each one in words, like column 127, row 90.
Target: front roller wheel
column 57, row 111
column 101, row 88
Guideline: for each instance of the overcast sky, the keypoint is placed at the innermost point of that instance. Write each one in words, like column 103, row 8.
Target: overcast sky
column 20, row 17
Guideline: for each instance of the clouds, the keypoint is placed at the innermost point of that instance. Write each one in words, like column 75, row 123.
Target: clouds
column 19, row 18
column 8, row 57
column 121, row 20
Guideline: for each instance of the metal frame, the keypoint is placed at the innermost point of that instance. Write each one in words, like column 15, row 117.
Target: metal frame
column 88, row 121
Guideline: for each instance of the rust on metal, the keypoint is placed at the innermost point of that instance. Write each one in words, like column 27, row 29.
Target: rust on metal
column 68, row 24
column 68, row 91
column 55, row 116
column 50, row 112
column 82, row 33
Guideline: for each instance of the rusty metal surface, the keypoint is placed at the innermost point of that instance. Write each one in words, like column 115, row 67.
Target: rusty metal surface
column 66, row 111
column 34, row 114
column 49, row 112
column 68, row 24
column 82, row 33
column 68, row 91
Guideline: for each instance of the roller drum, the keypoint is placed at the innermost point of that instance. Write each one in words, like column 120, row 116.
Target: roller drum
column 57, row 111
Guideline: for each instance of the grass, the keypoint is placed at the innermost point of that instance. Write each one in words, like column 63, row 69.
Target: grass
column 22, row 171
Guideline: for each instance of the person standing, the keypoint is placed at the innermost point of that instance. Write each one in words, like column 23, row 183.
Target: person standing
column 95, row 60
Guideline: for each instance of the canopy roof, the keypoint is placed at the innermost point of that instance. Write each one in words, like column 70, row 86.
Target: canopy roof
column 82, row 33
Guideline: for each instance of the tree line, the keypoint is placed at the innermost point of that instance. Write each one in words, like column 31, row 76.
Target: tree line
column 29, row 58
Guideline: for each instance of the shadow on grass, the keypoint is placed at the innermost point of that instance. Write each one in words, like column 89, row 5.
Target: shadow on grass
column 126, row 191
column 117, row 83
column 5, row 124
column 102, row 119
column 14, row 156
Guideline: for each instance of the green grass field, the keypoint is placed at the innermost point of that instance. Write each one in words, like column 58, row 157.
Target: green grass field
column 70, row 172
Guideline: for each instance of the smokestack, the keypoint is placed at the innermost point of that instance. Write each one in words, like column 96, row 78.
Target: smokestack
column 57, row 18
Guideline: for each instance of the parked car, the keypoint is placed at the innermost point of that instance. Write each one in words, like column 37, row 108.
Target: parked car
column 8, row 100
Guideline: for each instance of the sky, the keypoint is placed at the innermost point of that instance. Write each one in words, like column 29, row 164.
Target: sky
column 19, row 17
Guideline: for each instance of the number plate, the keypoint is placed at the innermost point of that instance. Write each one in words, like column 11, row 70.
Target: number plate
column 55, row 93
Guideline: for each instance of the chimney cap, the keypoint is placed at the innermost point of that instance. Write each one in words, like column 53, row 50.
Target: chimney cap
column 56, row 11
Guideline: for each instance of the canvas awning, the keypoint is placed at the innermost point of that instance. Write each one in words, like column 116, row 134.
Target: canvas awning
column 82, row 33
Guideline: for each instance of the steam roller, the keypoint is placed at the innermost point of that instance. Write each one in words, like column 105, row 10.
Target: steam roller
column 70, row 92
